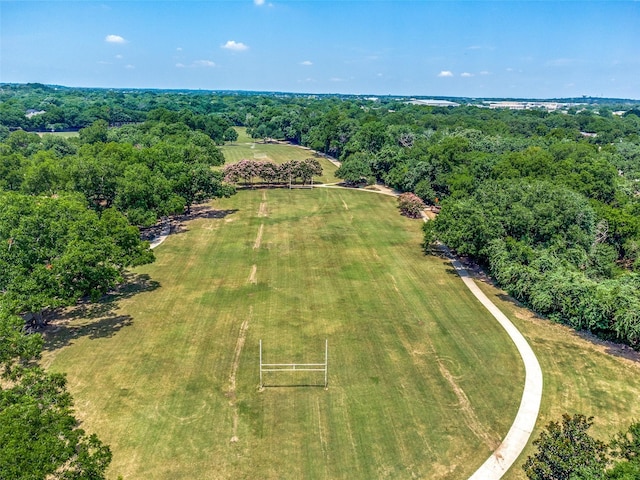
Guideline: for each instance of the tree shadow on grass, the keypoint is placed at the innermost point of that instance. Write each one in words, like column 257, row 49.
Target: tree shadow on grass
column 94, row 319
column 176, row 223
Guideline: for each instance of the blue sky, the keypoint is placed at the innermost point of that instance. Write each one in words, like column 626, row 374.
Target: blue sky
column 537, row 49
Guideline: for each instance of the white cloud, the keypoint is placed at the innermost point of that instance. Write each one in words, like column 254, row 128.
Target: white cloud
column 235, row 46
column 129, row 67
column 204, row 63
column 258, row 2
column 484, row 72
column 336, row 79
column 179, row 49
column 445, row 73
column 306, row 63
column 119, row 57
column 114, row 39
column 196, row 64
column 466, row 74
column 563, row 62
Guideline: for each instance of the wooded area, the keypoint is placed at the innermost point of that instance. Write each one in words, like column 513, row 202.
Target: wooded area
column 548, row 202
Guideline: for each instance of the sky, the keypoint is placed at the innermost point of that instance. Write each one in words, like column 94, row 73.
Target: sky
column 538, row 49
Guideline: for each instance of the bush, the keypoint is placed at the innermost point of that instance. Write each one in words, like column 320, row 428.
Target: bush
column 410, row 205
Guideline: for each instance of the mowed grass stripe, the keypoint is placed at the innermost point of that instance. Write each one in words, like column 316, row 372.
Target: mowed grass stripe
column 355, row 276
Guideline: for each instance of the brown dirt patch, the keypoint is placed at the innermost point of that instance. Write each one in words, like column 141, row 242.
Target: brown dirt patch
column 252, row 276
column 242, row 335
column 258, row 241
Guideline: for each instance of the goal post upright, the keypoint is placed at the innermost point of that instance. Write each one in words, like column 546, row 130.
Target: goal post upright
column 326, row 362
column 261, row 384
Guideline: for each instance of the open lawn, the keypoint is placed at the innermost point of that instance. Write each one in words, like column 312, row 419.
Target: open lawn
column 60, row 134
column 255, row 149
column 422, row 381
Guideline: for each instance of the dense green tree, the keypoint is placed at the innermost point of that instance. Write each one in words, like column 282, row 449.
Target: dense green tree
column 197, row 183
column 230, row 135
column 44, row 175
column 566, row 451
column 39, row 436
column 97, row 132
column 356, row 169
column 23, row 142
column 56, row 250
column 145, row 195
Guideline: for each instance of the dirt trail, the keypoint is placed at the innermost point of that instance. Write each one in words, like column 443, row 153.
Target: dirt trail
column 242, row 335
column 256, row 244
column 252, row 276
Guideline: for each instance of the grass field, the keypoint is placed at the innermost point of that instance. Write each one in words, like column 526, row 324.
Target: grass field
column 422, row 382
column 254, row 149
column 60, row 134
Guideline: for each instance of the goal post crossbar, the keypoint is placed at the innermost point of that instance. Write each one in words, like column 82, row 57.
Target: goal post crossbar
column 290, row 364
column 296, row 367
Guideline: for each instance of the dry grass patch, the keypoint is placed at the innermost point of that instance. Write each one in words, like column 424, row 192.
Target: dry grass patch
column 581, row 373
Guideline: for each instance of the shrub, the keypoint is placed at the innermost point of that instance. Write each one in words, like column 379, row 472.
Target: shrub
column 410, row 205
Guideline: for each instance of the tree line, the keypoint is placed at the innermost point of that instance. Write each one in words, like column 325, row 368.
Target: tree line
column 272, row 173
column 445, row 156
column 548, row 202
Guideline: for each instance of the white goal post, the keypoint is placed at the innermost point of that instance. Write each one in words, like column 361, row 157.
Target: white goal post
column 296, row 367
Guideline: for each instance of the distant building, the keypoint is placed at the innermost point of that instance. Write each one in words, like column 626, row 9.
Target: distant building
column 434, row 103
column 522, row 105
column 33, row 112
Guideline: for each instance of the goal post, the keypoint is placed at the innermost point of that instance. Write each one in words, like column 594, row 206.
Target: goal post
column 296, row 367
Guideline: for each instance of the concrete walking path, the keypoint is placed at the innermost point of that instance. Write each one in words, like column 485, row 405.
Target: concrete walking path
column 166, row 230
column 518, row 435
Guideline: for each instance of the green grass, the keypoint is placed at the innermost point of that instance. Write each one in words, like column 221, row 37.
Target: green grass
column 60, row 134
column 254, row 149
column 422, row 383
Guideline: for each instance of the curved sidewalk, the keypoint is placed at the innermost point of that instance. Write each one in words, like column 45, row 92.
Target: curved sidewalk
column 518, row 435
